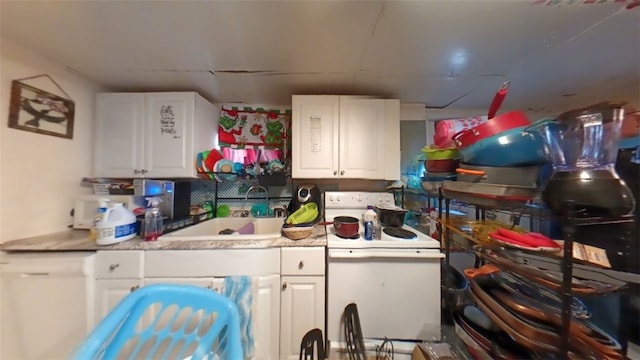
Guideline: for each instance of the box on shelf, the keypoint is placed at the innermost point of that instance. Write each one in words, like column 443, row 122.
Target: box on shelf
column 435, row 351
column 276, row 179
column 112, row 189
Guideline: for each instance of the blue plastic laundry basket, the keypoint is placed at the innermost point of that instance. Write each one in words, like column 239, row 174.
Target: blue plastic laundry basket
column 188, row 322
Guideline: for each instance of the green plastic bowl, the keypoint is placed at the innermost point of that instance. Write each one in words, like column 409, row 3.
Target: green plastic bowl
column 306, row 213
column 223, row 210
column 441, row 154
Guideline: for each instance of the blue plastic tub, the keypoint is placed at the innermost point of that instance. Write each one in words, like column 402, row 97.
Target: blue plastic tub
column 513, row 147
column 189, row 323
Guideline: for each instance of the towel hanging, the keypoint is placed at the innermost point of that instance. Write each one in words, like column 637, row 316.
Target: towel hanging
column 240, row 290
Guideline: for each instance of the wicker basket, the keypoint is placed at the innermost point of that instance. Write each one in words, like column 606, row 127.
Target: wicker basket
column 297, row 232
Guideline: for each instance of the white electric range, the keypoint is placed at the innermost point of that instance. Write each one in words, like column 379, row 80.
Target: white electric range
column 354, row 204
column 395, row 282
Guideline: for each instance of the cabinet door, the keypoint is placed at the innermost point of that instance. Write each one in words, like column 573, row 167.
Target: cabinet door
column 109, row 292
column 160, row 320
column 314, row 129
column 362, row 138
column 42, row 315
column 301, row 309
column 266, row 324
column 169, row 134
column 119, row 135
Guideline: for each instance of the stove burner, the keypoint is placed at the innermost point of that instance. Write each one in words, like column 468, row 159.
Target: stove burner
column 356, row 236
column 399, row 233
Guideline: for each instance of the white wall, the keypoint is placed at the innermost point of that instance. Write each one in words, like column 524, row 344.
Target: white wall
column 40, row 174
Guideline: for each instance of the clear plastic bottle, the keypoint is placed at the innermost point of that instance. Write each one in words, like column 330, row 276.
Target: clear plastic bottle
column 102, row 208
column 370, row 218
column 153, row 220
column 377, row 229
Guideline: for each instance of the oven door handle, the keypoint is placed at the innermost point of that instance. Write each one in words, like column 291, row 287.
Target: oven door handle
column 363, row 254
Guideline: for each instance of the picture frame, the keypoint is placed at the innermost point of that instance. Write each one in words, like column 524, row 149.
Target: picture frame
column 35, row 110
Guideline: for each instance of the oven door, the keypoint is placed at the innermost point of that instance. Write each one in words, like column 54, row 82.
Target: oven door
column 397, row 292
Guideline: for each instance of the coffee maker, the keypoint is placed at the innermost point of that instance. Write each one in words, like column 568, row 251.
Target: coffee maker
column 175, row 195
column 304, row 194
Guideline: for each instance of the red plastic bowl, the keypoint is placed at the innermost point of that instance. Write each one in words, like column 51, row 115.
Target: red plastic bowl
column 442, row 166
column 498, row 124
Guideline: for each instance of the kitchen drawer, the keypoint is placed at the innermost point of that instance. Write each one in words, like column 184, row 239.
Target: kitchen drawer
column 302, row 261
column 219, row 262
column 119, row 264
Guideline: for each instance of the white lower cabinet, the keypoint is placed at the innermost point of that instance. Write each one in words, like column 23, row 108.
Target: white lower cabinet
column 266, row 324
column 301, row 309
column 46, row 304
column 214, row 284
column 83, row 288
column 118, row 273
column 109, row 292
column 302, row 296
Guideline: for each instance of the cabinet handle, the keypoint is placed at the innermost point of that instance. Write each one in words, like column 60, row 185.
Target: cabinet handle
column 335, row 172
column 113, row 267
column 342, row 172
column 134, row 288
column 34, row 274
column 301, row 264
column 284, row 285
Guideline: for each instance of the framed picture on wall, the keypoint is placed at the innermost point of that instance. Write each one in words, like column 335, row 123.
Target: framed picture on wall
column 39, row 111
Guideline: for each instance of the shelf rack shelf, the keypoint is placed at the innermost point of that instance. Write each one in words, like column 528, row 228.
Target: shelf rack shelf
column 570, row 224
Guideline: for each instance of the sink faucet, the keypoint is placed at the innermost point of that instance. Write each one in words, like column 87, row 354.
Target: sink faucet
column 266, row 198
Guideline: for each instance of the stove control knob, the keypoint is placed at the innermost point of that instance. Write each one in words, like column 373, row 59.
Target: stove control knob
column 358, row 198
column 338, row 198
column 331, row 198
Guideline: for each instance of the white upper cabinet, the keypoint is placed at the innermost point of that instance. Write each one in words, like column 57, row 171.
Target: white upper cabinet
column 152, row 134
column 314, row 128
column 345, row 137
column 118, row 135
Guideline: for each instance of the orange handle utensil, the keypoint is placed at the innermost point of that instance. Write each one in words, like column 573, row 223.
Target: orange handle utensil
column 483, row 270
column 470, row 172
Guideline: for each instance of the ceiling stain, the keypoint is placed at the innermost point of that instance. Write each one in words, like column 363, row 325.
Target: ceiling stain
column 171, row 70
column 78, row 73
column 265, row 72
column 595, row 25
column 244, row 71
column 292, row 73
column 378, row 18
column 451, row 102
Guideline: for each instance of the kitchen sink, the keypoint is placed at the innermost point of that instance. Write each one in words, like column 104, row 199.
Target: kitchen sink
column 263, row 228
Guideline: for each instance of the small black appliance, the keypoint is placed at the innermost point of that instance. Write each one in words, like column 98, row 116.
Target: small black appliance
column 304, row 194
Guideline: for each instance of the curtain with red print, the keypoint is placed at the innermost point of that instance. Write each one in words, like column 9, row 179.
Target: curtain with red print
column 248, row 127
